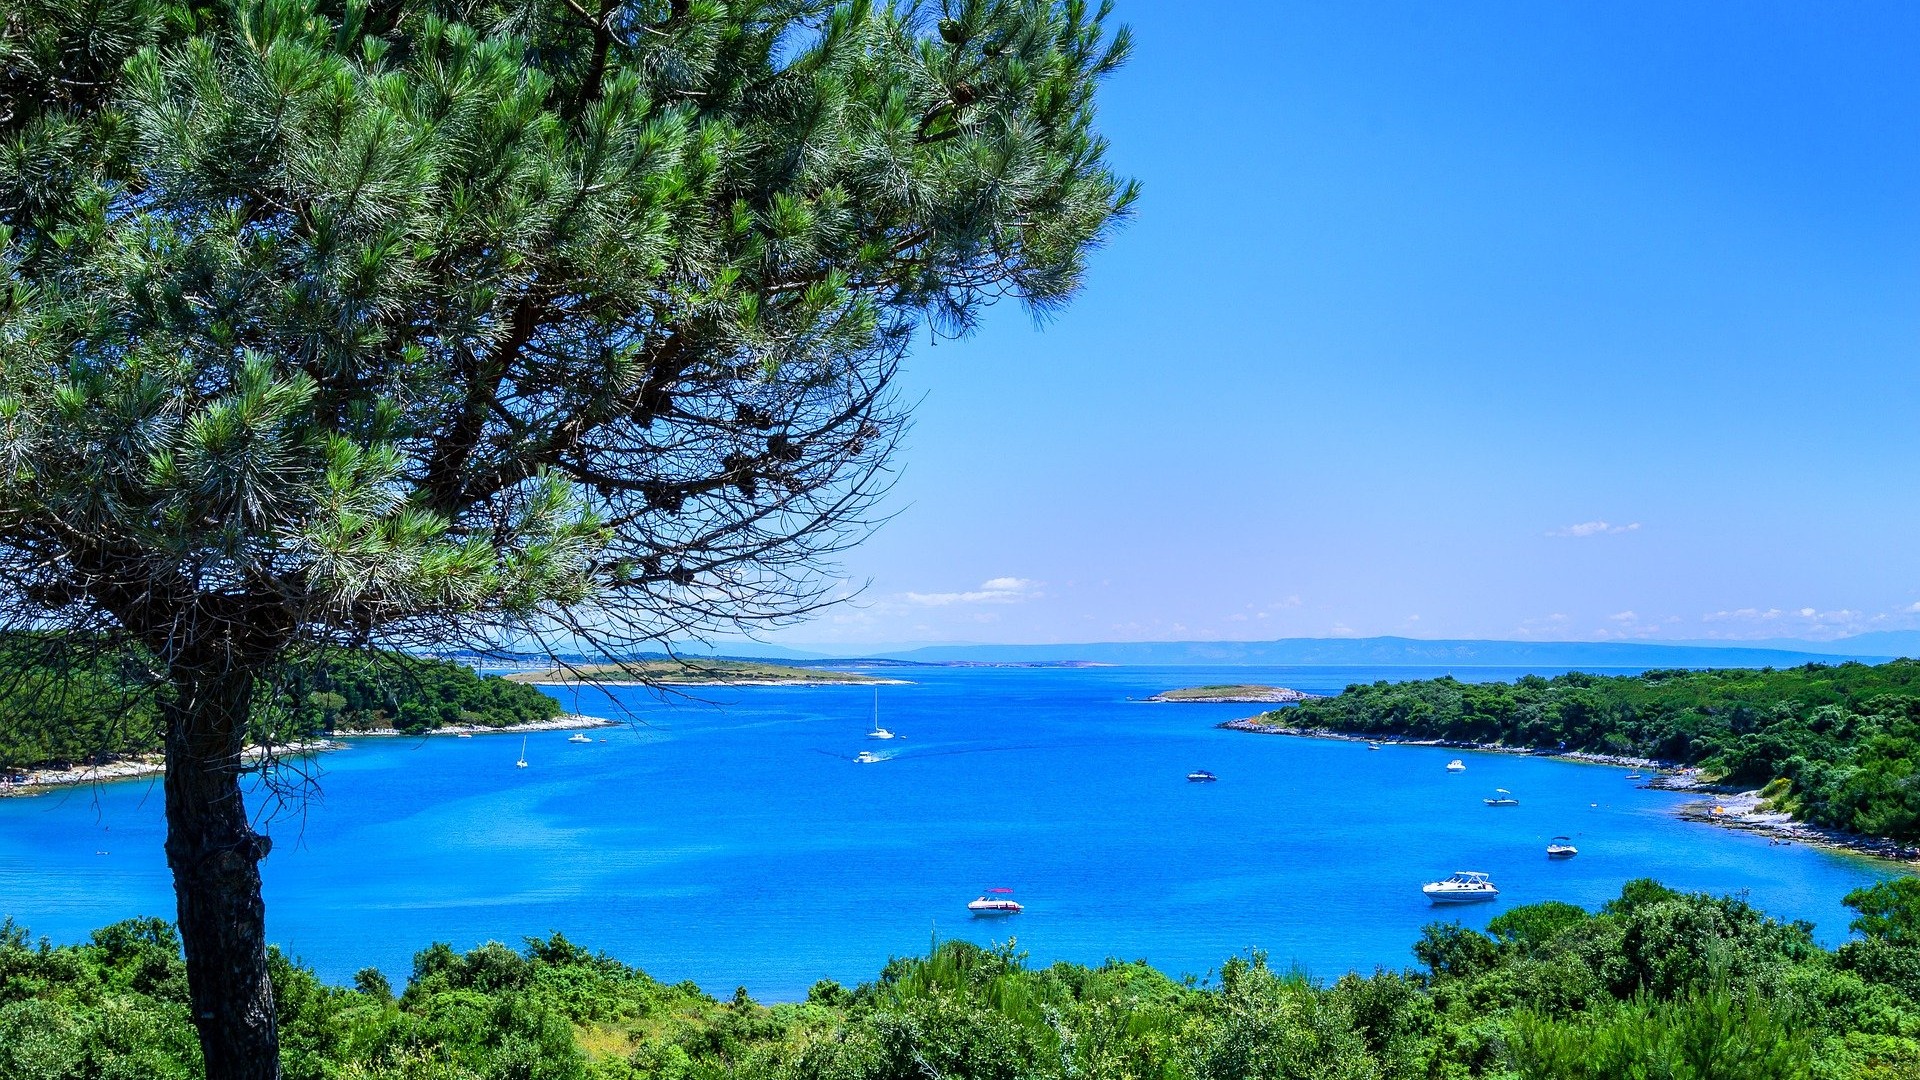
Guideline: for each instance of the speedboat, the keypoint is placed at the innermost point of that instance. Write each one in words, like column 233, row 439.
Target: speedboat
column 1373, row 746
column 464, row 735
column 1464, row 887
column 1501, row 797
column 579, row 736
column 1634, row 776
column 866, row 757
column 1561, row 847
column 1456, row 765
column 1201, row 776
column 995, row 902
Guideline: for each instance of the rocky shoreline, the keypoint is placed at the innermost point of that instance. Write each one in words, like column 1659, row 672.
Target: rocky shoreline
column 1233, row 695
column 1725, row 807
column 135, row 766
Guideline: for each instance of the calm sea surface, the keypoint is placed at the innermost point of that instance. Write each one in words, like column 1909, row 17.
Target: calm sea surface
column 733, row 841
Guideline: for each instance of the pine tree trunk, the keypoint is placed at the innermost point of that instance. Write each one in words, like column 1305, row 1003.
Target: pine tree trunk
column 215, row 856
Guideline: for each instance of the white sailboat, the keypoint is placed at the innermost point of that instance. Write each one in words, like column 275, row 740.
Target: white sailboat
column 878, row 732
column 522, row 763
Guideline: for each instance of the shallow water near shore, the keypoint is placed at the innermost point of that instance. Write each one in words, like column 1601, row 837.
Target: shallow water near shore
column 730, row 839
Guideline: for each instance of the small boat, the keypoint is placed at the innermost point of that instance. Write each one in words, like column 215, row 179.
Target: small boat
column 1373, row 746
column 1561, row 847
column 1201, row 776
column 522, row 763
column 1501, row 797
column 1456, row 765
column 1634, row 776
column 878, row 732
column 464, row 735
column 1464, row 887
column 995, row 902
column 866, row 757
column 579, row 736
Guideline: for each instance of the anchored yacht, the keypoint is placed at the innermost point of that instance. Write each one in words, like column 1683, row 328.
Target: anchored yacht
column 1464, row 887
column 995, row 902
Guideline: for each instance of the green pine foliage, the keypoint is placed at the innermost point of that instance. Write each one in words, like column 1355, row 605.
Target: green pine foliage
column 1658, row 985
column 1838, row 745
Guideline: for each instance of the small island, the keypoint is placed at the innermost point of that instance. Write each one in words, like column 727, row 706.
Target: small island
column 698, row 672
column 1235, row 693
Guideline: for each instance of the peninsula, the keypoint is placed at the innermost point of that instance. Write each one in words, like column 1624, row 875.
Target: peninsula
column 1816, row 752
column 700, row 671
column 1235, row 693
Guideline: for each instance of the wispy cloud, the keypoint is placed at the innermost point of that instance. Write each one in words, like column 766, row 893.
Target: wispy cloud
column 1594, row 528
column 1000, row 590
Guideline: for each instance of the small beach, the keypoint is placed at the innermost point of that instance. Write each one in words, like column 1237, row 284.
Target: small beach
column 135, row 766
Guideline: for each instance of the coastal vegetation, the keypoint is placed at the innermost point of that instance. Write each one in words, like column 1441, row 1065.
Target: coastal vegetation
column 1654, row 984
column 693, row 671
column 62, row 702
column 1834, row 745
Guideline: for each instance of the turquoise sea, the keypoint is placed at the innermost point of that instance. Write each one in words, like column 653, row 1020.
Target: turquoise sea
column 730, row 838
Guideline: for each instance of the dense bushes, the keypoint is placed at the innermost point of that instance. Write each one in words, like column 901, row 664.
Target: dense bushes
column 61, row 702
column 1656, row 984
column 1843, row 741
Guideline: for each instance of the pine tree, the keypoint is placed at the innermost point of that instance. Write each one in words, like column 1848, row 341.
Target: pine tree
column 399, row 321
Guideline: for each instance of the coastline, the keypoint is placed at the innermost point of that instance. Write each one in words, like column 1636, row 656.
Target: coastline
column 136, row 766
column 1724, row 807
column 875, row 681
column 563, row 722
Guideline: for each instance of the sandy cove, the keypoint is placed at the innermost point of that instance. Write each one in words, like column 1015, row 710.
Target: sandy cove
column 1728, row 808
column 134, row 766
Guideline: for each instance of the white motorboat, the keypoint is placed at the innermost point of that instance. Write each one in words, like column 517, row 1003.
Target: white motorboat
column 1464, row 887
column 522, row 763
column 866, row 757
column 1201, row 776
column 878, row 732
column 579, row 736
column 1501, row 797
column 464, row 735
column 1373, row 746
column 1561, row 847
column 995, row 902
column 1456, row 765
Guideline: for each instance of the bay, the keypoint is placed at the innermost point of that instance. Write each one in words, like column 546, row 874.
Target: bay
column 727, row 837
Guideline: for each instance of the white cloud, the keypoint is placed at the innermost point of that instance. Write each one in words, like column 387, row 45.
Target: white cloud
column 1623, row 616
column 1000, row 590
column 1594, row 528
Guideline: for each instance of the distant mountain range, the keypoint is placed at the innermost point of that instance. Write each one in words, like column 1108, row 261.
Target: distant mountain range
column 1367, row 652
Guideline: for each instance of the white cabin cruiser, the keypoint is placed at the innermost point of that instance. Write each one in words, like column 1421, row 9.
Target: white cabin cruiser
column 1456, row 765
column 866, row 757
column 1561, row 847
column 579, row 736
column 1463, row 887
column 995, row 902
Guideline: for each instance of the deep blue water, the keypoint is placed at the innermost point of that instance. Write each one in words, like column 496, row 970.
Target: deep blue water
column 731, row 840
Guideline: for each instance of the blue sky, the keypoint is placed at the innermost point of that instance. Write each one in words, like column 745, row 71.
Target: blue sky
column 1417, row 298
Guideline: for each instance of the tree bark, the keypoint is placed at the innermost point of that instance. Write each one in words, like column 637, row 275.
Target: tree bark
column 215, row 856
